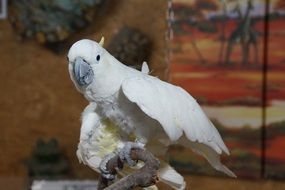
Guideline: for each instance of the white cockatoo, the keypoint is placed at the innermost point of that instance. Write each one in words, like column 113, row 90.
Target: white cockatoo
column 129, row 108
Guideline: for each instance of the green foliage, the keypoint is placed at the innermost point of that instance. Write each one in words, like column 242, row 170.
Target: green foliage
column 275, row 129
column 247, row 101
column 184, row 12
column 47, row 161
column 243, row 161
column 178, row 29
column 242, row 155
column 206, row 5
column 207, row 27
column 275, row 171
column 192, row 16
column 245, row 135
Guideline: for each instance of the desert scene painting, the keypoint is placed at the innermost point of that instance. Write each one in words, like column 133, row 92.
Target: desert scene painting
column 218, row 55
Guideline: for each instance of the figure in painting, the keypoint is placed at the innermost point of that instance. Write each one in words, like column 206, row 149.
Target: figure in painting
column 245, row 34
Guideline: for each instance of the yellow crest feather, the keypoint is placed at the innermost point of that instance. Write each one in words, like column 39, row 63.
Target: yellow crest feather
column 101, row 43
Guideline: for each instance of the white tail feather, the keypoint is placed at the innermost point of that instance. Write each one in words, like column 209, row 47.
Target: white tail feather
column 169, row 176
column 211, row 155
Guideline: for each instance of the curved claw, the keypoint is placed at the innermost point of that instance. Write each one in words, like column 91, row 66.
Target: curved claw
column 103, row 167
column 125, row 153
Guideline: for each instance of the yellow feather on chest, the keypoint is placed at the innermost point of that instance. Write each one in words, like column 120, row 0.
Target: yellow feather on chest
column 107, row 138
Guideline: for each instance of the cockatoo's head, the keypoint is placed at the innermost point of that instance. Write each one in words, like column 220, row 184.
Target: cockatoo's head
column 86, row 58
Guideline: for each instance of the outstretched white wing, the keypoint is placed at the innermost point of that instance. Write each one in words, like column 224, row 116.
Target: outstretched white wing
column 178, row 113
column 175, row 109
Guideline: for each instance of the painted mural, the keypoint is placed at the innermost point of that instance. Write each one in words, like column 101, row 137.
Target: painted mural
column 218, row 56
column 275, row 93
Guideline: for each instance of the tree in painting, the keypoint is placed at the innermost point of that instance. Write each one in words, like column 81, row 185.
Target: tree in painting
column 193, row 16
column 244, row 34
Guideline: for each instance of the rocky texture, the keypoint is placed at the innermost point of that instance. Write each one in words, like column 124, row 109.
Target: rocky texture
column 51, row 22
column 130, row 46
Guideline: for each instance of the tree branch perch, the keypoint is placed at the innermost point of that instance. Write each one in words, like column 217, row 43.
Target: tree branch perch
column 144, row 177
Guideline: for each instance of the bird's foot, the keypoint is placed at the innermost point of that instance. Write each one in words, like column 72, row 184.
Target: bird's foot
column 105, row 172
column 125, row 152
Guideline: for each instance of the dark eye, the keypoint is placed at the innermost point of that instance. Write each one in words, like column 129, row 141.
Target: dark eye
column 98, row 57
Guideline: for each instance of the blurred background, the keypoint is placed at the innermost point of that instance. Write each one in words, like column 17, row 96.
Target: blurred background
column 199, row 45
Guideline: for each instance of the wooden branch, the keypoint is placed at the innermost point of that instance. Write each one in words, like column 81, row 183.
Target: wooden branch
column 144, row 177
column 102, row 183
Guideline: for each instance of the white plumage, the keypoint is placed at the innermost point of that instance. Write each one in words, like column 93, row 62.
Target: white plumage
column 155, row 112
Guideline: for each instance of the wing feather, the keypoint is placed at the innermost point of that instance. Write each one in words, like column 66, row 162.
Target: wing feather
column 175, row 109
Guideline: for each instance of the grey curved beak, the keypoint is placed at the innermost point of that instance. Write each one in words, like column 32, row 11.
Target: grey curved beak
column 83, row 72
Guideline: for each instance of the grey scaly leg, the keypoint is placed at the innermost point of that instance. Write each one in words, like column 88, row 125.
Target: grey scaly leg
column 103, row 167
column 125, row 152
